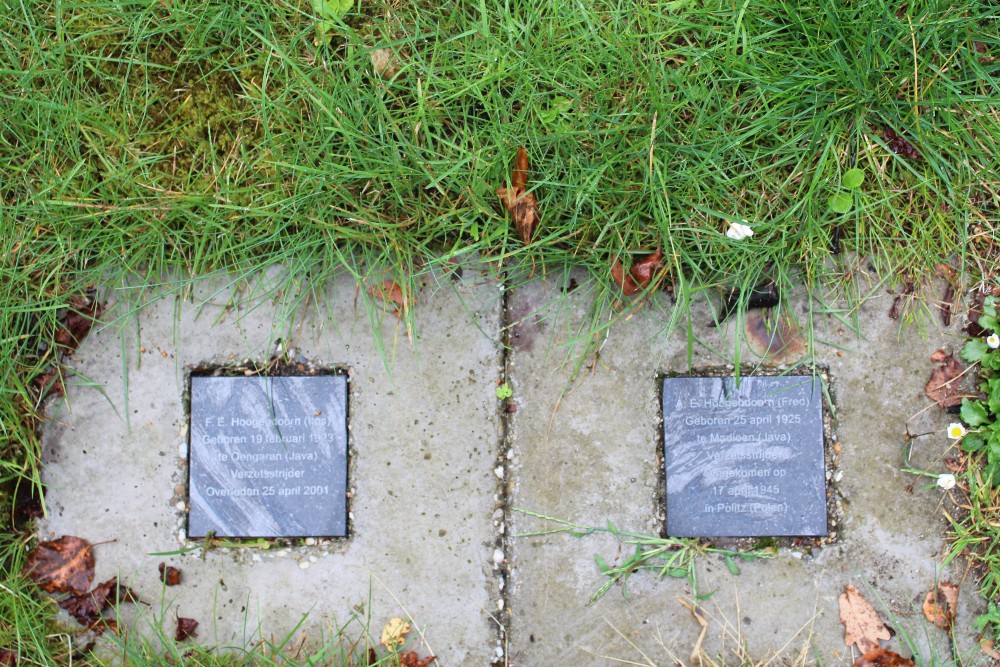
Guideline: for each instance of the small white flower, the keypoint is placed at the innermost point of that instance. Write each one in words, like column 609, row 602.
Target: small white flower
column 993, row 341
column 946, row 481
column 739, row 231
column 956, row 430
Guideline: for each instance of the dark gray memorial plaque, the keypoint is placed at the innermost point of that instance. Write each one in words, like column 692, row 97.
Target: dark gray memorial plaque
column 744, row 461
column 268, row 456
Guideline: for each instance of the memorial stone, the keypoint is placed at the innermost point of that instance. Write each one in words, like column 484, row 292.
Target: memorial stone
column 744, row 460
column 268, row 456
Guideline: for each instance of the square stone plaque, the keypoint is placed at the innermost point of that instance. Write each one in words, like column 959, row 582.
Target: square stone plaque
column 268, row 456
column 744, row 461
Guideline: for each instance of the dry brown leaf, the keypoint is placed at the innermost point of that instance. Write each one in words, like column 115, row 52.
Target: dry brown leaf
column 941, row 604
column 942, row 387
column 78, row 321
column 411, row 659
column 622, row 279
column 390, row 292
column 522, row 204
column 86, row 608
column 65, row 565
column 186, row 628
column 384, row 62
column 862, row 626
column 171, row 576
column 392, row 633
column 882, row 658
column 646, row 268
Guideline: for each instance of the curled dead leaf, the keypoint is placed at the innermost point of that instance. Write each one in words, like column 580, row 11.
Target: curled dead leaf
column 622, row 279
column 522, row 204
column 940, row 604
column 862, row 626
column 394, row 631
column 882, row 658
column 186, row 628
column 64, row 565
column 171, row 576
column 644, row 270
column 86, row 608
column 942, row 387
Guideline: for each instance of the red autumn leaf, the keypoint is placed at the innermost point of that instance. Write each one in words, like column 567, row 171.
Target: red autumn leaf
column 942, row 387
column 77, row 324
column 390, row 292
column 186, row 628
column 645, row 269
column 87, row 607
column 65, row 565
column 940, row 605
column 622, row 279
column 171, row 576
column 8, row 658
column 522, row 204
column 882, row 658
column 411, row 659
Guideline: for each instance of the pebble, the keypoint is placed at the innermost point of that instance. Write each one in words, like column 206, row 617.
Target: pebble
column 500, row 604
column 182, row 451
column 182, row 535
column 498, row 471
column 310, row 541
column 304, row 565
column 181, row 506
column 497, row 557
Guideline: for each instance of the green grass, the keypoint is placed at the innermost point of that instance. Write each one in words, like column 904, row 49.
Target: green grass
column 138, row 137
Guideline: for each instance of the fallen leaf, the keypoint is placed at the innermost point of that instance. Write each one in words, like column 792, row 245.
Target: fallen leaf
column 86, row 608
column 392, row 633
column 882, row 658
column 411, row 659
column 77, row 324
column 989, row 649
column 8, row 658
column 862, row 626
column 186, row 628
column 49, row 384
column 941, row 604
column 942, row 387
column 65, row 565
column 522, row 204
column 622, row 279
column 170, row 576
column 899, row 145
column 390, row 292
column 384, row 63
column 645, row 269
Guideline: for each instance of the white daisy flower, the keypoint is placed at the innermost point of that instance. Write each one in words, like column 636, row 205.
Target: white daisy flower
column 946, row 481
column 956, row 430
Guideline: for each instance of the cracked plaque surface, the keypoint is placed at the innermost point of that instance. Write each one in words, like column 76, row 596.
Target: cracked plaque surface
column 268, row 456
column 747, row 460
